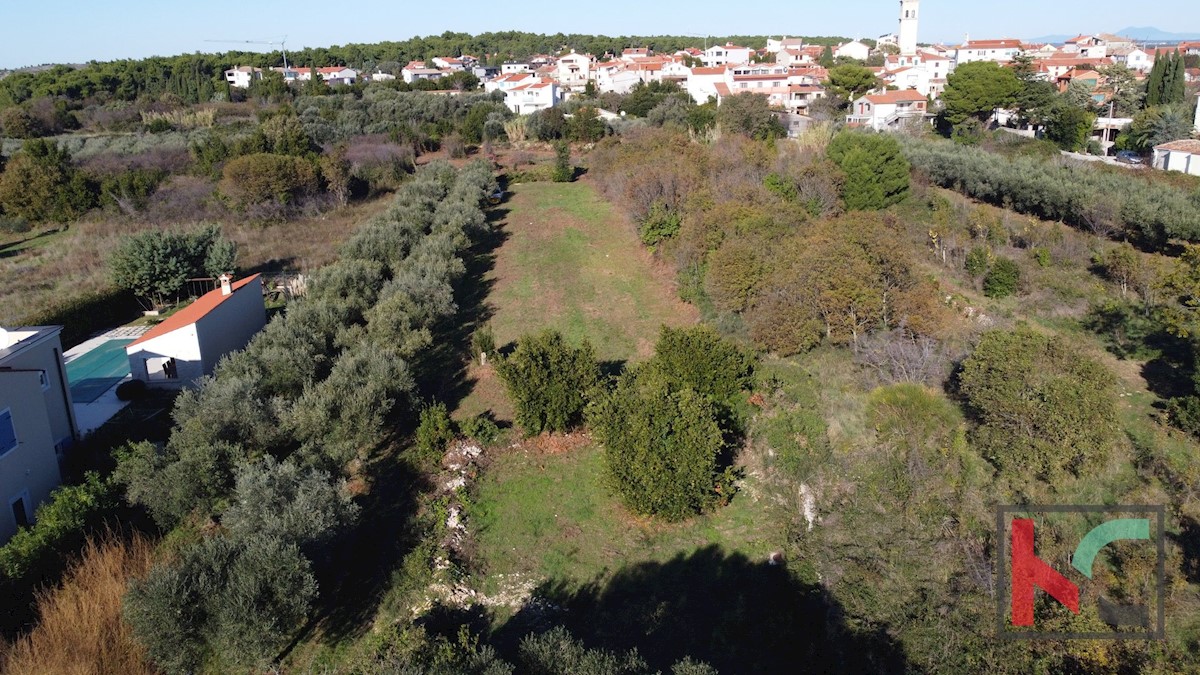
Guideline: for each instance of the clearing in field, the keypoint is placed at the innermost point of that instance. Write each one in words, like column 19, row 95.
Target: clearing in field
column 571, row 263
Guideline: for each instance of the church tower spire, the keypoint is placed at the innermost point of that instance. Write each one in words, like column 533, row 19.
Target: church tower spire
column 908, row 26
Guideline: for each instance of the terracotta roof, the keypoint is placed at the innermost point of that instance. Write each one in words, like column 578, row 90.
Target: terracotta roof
column 717, row 70
column 1189, row 146
column 896, row 97
column 1006, row 43
column 723, row 89
column 193, row 312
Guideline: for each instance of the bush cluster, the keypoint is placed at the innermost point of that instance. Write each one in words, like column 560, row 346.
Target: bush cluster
column 549, row 381
column 1148, row 209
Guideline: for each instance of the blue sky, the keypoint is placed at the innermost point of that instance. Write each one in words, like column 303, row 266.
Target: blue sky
column 81, row 30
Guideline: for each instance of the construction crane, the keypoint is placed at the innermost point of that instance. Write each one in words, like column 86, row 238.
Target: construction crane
column 281, row 43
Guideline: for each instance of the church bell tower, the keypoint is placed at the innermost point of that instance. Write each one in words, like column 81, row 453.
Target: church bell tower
column 908, row 26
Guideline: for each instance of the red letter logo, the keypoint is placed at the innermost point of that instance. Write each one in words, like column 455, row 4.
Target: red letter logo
column 1030, row 572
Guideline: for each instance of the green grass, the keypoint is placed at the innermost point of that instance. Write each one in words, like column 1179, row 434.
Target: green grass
column 551, row 516
column 572, row 264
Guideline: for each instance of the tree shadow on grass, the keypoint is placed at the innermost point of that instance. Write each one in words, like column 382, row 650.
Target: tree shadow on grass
column 442, row 375
column 738, row 615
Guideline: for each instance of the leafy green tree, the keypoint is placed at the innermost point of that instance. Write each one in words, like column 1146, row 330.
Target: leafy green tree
column 156, row 264
column 315, row 84
column 749, row 115
column 1042, row 406
column 662, row 445
column 549, row 381
column 1124, row 89
column 585, row 126
column 977, row 89
column 435, row 431
column 877, row 174
column 734, row 273
column 40, row 183
column 1160, row 124
column 16, row 122
column 1002, row 280
column 230, row 602
column 1070, row 127
column 1167, row 82
column 851, row 81
column 557, row 652
column 645, row 96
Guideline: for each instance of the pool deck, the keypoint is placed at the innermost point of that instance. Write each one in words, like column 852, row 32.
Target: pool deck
column 92, row 416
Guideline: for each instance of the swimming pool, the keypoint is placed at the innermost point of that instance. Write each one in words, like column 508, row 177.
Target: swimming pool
column 97, row 371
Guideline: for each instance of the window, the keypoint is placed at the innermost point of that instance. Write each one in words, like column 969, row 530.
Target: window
column 8, row 433
column 20, row 513
column 44, row 380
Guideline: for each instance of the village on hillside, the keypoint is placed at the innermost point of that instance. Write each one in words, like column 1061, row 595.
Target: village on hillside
column 794, row 75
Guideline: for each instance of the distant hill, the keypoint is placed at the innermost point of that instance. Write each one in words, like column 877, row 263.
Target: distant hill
column 1145, row 34
column 1155, row 35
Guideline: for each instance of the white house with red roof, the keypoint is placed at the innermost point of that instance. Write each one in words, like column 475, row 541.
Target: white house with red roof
column 889, row 110
column 998, row 51
column 241, row 77
column 448, row 63
column 189, row 344
column 574, row 70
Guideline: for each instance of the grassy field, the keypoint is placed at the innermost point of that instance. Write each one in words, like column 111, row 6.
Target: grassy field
column 570, row 262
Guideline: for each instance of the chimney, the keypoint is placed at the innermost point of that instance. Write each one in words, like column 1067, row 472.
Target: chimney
column 226, row 288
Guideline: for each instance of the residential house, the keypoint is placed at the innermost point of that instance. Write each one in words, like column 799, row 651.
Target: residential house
column 334, row 75
column 792, row 57
column 1183, row 156
column 515, row 67
column 636, row 54
column 574, row 70
column 1192, row 48
column 380, row 76
column 775, row 46
column 1057, row 66
column 702, row 85
column 538, row 94
column 1087, row 47
column 889, row 110
column 853, row 50
column 448, row 63
column 188, row 344
column 37, row 422
column 485, row 73
column 1131, row 57
column 998, row 51
column 727, row 54
column 242, row 76
column 418, row 70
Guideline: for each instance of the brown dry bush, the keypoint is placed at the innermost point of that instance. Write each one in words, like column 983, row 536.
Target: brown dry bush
column 80, row 628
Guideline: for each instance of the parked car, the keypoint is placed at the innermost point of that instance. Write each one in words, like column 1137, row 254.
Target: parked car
column 1129, row 157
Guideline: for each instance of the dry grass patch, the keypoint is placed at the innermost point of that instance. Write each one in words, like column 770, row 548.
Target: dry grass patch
column 80, row 629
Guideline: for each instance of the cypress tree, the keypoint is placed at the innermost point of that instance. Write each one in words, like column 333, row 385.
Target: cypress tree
column 1176, row 92
column 1155, row 82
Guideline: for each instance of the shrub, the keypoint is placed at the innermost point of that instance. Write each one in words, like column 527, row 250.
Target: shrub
column 1002, row 280
column 273, row 499
column 734, row 273
column 564, row 172
column 1042, row 407
column 227, row 601
column 483, row 342
column 978, row 261
column 261, row 178
column 877, row 174
column 132, row 390
column 130, row 190
column 662, row 443
column 60, row 520
column 660, row 224
column 700, row 359
column 480, row 428
column 81, row 315
column 557, row 652
column 40, row 183
column 435, row 431
column 549, row 381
